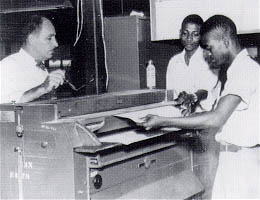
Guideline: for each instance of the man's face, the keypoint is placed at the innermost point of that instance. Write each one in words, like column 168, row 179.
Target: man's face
column 190, row 36
column 44, row 41
column 216, row 52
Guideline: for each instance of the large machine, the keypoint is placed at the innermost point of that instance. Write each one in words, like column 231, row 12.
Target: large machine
column 88, row 148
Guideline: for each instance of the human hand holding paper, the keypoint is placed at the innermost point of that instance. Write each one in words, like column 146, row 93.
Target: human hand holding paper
column 139, row 117
column 152, row 122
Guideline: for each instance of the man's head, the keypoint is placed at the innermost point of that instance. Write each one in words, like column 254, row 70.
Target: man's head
column 220, row 41
column 39, row 38
column 190, row 32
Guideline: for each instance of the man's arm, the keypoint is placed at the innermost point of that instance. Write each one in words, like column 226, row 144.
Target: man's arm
column 53, row 80
column 32, row 94
column 212, row 119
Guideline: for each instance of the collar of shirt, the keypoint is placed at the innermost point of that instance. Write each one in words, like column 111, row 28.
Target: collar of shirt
column 196, row 56
column 27, row 58
column 41, row 65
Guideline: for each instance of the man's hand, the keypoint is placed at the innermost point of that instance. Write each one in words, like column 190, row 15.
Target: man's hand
column 186, row 99
column 187, row 103
column 186, row 111
column 152, row 122
column 53, row 80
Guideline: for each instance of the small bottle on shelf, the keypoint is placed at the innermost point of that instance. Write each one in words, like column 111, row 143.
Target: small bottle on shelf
column 150, row 75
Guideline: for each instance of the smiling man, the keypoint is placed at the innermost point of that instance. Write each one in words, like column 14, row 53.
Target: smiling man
column 188, row 71
column 23, row 75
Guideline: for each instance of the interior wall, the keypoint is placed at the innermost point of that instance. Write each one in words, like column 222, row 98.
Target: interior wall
column 124, row 7
column 2, row 50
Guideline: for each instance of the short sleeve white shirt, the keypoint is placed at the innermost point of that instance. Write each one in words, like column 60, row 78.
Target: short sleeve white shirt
column 242, row 128
column 190, row 78
column 19, row 74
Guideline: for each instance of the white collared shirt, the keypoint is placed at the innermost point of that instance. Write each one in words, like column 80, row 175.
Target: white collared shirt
column 19, row 74
column 197, row 75
column 242, row 128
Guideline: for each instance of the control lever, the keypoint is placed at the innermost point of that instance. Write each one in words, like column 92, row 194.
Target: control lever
column 73, row 87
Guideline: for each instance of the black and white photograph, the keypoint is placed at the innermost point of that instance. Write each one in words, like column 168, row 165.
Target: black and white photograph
column 129, row 99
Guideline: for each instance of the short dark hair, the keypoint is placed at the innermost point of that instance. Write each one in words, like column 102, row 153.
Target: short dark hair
column 33, row 24
column 193, row 19
column 222, row 23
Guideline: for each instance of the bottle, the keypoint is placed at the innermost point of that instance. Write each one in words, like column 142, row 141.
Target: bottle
column 150, row 75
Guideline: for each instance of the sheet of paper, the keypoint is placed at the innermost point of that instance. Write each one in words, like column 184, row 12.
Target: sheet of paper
column 127, row 137
column 131, row 136
column 165, row 111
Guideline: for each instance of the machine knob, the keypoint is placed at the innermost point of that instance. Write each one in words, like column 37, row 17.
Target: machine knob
column 19, row 130
column 147, row 163
column 18, row 149
column 97, row 181
column 44, row 144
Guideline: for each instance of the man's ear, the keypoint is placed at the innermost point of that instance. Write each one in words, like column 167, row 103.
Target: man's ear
column 30, row 39
column 226, row 41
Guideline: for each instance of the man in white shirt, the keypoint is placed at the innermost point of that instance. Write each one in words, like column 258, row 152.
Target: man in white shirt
column 236, row 115
column 188, row 71
column 23, row 77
